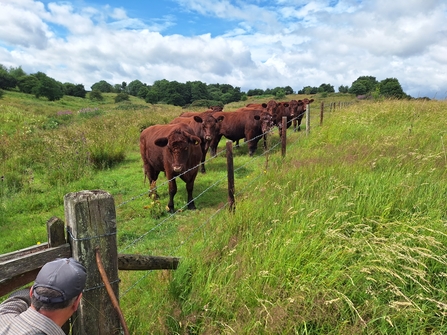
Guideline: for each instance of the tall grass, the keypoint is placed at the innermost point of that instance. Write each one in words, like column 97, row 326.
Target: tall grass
column 345, row 235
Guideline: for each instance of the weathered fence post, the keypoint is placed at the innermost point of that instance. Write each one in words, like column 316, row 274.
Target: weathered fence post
column 91, row 222
column 284, row 136
column 321, row 113
column 230, row 175
column 307, row 119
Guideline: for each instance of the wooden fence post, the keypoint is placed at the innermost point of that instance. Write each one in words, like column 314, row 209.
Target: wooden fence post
column 307, row 119
column 284, row 136
column 230, row 175
column 321, row 113
column 91, row 222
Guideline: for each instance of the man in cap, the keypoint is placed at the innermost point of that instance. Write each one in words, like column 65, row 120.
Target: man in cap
column 50, row 302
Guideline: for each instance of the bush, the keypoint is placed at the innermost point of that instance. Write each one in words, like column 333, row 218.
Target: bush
column 206, row 103
column 123, row 96
column 96, row 95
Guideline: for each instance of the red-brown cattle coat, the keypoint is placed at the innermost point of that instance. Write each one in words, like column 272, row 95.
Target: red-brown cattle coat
column 301, row 110
column 174, row 149
column 205, row 126
column 283, row 109
column 245, row 123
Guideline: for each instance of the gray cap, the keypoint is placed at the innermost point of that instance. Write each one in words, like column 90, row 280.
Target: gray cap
column 65, row 275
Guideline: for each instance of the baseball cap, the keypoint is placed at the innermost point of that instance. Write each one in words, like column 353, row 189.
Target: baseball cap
column 65, row 275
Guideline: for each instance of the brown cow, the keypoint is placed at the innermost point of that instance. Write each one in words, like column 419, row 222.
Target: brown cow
column 283, row 109
column 246, row 123
column 269, row 107
column 174, row 149
column 205, row 126
column 301, row 110
column 215, row 109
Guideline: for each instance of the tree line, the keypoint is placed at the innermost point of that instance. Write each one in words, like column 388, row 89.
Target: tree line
column 191, row 93
column 364, row 86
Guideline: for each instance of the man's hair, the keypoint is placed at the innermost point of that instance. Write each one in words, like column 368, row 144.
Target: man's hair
column 50, row 293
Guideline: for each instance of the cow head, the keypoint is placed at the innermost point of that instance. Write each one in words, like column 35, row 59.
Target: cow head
column 266, row 120
column 210, row 125
column 178, row 144
column 293, row 106
column 271, row 108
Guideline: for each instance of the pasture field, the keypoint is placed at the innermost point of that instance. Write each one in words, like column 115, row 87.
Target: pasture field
column 344, row 235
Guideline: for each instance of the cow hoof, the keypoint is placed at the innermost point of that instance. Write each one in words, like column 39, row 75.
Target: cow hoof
column 153, row 196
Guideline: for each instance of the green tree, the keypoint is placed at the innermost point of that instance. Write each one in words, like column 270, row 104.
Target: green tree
column 27, row 84
column 308, row 90
column 122, row 96
column 17, row 72
column 75, row 90
column 117, row 88
column 288, row 90
column 198, row 90
column 328, row 88
column 49, row 88
column 6, row 80
column 358, row 88
column 369, row 82
column 152, row 96
column 280, row 94
column 343, row 89
column 102, row 86
column 134, row 87
column 391, row 88
column 142, row 92
column 214, row 92
column 256, row 91
column 96, row 95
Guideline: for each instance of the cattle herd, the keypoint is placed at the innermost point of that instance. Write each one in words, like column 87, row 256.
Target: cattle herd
column 180, row 147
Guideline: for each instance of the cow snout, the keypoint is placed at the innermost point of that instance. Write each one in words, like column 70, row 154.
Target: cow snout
column 177, row 168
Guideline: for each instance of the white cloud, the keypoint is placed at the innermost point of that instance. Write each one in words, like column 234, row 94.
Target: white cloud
column 294, row 43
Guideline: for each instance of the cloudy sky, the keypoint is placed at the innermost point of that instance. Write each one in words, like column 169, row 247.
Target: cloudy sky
column 245, row 43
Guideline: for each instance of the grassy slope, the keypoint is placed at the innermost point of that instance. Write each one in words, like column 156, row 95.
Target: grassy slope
column 344, row 235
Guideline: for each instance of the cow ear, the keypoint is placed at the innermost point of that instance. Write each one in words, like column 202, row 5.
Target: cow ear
column 195, row 140
column 161, row 142
column 198, row 119
column 311, row 100
column 257, row 117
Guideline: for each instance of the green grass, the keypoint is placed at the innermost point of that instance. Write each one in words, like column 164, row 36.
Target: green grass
column 344, row 235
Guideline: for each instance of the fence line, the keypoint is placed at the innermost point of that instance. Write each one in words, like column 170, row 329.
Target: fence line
column 82, row 242
column 223, row 151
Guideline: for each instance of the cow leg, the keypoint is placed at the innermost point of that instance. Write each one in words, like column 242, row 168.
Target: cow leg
column 253, row 145
column 189, row 189
column 153, row 190
column 202, row 165
column 213, row 145
column 172, row 192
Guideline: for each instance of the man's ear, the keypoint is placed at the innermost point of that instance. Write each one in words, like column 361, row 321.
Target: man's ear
column 76, row 303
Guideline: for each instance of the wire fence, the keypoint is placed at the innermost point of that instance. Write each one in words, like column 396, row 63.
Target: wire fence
column 247, row 186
